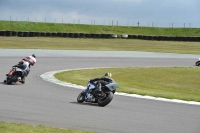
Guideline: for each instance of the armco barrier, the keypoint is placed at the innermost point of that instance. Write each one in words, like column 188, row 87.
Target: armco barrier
column 43, row 34
column 37, row 34
column 198, row 39
column 3, row 33
column 71, row 35
column 171, row 38
column 164, row 38
column 48, row 34
column 135, row 36
column 82, row 35
column 54, row 34
column 76, row 35
column 60, row 34
column 195, row 39
column 103, row 35
column 145, row 37
column 87, row 35
column 31, row 34
column 160, row 38
column 92, row 35
column 8, row 33
column 108, row 35
column 140, row 36
column 20, row 34
column 65, row 34
column 14, row 33
column 98, row 35
column 150, row 38
column 130, row 36
column 155, row 38
column 26, row 34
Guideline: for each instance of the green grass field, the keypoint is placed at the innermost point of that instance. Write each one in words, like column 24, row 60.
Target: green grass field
column 9, row 127
column 51, row 27
column 173, row 83
column 99, row 44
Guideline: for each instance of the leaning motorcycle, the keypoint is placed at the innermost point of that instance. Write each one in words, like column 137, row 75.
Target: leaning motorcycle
column 13, row 76
column 197, row 62
column 102, row 96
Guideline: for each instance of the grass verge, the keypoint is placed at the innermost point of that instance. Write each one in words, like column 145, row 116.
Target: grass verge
column 52, row 27
column 8, row 127
column 173, row 83
column 99, row 44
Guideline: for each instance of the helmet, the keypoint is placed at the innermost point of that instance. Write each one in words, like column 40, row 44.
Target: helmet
column 31, row 59
column 108, row 74
column 34, row 55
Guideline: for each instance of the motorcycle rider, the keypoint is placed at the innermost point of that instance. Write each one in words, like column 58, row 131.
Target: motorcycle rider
column 25, row 65
column 96, row 83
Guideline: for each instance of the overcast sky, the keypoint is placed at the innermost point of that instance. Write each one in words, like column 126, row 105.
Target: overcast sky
column 160, row 13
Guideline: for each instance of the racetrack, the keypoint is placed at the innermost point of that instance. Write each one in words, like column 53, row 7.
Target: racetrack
column 45, row 103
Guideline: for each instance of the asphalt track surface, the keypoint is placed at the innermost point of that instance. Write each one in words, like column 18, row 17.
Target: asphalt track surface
column 43, row 103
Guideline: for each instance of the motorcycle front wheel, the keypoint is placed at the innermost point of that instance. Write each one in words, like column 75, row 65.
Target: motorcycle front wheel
column 105, row 101
column 81, row 97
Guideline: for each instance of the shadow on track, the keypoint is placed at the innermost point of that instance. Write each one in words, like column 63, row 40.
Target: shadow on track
column 86, row 104
column 10, row 84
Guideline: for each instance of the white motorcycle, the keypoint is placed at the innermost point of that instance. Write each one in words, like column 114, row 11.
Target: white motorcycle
column 197, row 62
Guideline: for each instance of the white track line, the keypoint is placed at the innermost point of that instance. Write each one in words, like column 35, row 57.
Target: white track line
column 49, row 76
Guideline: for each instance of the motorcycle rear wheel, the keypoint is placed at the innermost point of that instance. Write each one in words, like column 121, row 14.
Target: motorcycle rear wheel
column 107, row 100
column 12, row 79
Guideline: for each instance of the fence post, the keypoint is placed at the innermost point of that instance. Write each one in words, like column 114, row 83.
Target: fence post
column 138, row 24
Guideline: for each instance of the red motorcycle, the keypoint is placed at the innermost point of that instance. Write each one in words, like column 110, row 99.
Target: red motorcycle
column 13, row 76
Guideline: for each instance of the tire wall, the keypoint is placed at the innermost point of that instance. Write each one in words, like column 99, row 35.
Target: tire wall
column 96, row 35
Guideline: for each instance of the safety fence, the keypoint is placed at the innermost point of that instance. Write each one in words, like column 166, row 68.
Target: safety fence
column 95, row 35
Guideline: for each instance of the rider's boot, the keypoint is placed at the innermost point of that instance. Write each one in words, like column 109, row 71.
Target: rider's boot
column 22, row 80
